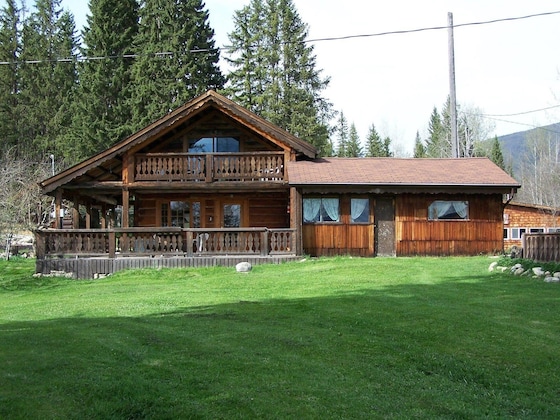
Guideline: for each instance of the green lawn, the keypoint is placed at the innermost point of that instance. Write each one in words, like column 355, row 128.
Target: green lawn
column 329, row 338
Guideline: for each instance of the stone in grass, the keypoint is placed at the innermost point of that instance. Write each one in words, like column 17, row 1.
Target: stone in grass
column 552, row 279
column 243, row 267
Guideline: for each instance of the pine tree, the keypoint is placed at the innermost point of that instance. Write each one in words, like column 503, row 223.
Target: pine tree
column 419, row 148
column 46, row 86
column 274, row 70
column 375, row 146
column 101, row 111
column 354, row 148
column 342, row 136
column 436, row 143
column 496, row 154
column 177, row 59
column 10, row 48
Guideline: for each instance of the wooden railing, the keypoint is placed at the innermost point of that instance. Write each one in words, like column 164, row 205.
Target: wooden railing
column 541, row 247
column 167, row 241
column 187, row 167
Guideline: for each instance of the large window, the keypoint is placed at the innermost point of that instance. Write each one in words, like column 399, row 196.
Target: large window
column 359, row 210
column 180, row 214
column 448, row 210
column 320, row 210
column 214, row 145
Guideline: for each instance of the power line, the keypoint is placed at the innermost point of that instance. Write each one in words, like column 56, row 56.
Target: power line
column 79, row 58
column 520, row 113
column 433, row 28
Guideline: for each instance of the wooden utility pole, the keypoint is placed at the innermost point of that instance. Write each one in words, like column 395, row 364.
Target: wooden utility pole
column 452, row 92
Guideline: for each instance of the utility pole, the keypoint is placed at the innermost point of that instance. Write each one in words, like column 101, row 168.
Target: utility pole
column 452, row 92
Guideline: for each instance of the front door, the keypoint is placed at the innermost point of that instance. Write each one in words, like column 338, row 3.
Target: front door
column 384, row 227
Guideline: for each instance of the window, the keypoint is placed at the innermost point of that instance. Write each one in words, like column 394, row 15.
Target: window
column 320, row 210
column 553, row 230
column 359, row 210
column 214, row 144
column 180, row 214
column 517, row 232
column 506, row 234
column 448, row 210
column 536, row 230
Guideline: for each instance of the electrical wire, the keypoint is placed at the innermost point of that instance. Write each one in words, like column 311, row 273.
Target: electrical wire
column 79, row 58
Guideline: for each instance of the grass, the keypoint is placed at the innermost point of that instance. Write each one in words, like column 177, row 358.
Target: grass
column 329, row 338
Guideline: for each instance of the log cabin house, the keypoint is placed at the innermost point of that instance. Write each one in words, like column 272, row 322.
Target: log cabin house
column 214, row 184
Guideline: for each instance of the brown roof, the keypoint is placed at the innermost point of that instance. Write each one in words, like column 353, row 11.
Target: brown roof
column 471, row 172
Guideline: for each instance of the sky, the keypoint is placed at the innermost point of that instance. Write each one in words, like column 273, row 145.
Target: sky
column 394, row 81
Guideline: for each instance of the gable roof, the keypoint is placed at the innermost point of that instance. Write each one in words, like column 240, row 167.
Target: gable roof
column 107, row 165
column 379, row 172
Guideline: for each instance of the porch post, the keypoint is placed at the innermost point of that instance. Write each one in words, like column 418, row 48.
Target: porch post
column 76, row 213
column 295, row 219
column 57, row 207
column 88, row 216
column 125, row 206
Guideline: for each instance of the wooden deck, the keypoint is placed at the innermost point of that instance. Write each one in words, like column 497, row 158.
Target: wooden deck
column 86, row 252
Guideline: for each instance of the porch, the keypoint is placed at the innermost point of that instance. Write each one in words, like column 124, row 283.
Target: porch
column 86, row 252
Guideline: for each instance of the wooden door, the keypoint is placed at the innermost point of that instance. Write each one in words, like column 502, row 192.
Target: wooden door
column 384, row 227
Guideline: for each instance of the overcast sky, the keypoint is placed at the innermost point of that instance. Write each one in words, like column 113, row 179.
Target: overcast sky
column 394, row 81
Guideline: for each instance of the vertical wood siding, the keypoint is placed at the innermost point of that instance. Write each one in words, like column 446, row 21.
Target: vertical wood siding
column 416, row 235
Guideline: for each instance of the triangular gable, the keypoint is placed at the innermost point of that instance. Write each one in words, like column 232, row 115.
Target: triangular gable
column 105, row 161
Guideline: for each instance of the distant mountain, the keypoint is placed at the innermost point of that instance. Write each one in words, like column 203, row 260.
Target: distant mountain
column 513, row 145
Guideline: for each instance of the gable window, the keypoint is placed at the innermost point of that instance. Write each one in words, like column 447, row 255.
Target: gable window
column 359, row 210
column 180, row 214
column 320, row 210
column 448, row 210
column 214, row 145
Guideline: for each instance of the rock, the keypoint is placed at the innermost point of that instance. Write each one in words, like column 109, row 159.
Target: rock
column 518, row 271
column 243, row 267
column 552, row 279
column 493, row 266
column 538, row 271
column 557, row 274
column 502, row 269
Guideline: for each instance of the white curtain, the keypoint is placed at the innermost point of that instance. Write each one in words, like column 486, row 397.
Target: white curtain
column 444, row 209
column 331, row 208
column 311, row 207
column 358, row 206
column 461, row 207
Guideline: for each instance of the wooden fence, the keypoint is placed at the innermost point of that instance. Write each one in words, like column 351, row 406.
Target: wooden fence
column 541, row 247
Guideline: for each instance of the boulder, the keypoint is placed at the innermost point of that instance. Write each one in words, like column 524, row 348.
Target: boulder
column 493, row 266
column 552, row 279
column 243, row 267
column 538, row 271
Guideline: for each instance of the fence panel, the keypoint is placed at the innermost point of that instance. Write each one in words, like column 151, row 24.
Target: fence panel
column 541, row 247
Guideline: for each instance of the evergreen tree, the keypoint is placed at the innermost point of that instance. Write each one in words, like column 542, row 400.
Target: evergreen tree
column 419, row 148
column 10, row 48
column 101, row 111
column 375, row 146
column 342, row 136
column 354, row 148
column 49, row 43
column 274, row 71
column 177, row 59
column 436, row 144
column 496, row 154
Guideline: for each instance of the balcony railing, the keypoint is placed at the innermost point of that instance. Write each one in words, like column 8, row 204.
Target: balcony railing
column 212, row 167
column 166, row 241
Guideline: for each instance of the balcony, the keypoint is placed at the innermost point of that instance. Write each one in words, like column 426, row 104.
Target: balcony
column 211, row 167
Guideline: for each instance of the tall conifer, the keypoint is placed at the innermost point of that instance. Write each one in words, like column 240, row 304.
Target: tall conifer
column 101, row 111
column 177, row 58
column 48, row 76
column 274, row 70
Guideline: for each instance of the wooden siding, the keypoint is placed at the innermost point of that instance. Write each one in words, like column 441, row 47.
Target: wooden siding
column 519, row 217
column 416, row 235
column 343, row 238
column 88, row 268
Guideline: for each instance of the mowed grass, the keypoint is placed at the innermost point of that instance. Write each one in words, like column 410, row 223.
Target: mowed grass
column 328, row 338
